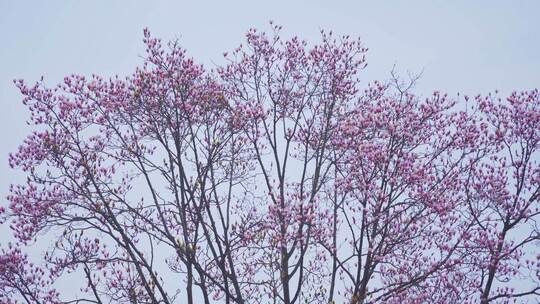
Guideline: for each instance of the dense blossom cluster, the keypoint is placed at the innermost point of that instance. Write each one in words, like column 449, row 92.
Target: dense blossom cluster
column 276, row 178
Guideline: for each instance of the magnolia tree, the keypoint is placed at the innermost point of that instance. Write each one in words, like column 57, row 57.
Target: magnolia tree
column 277, row 178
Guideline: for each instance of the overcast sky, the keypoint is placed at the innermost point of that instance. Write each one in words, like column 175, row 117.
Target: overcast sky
column 462, row 46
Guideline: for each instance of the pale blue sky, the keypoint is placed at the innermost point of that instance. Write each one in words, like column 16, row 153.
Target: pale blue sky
column 466, row 46
column 462, row 46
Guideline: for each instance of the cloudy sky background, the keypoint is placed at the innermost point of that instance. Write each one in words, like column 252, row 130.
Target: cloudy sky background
column 461, row 46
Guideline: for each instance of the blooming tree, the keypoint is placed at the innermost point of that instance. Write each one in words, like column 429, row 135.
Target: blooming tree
column 397, row 198
column 502, row 195
column 277, row 178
